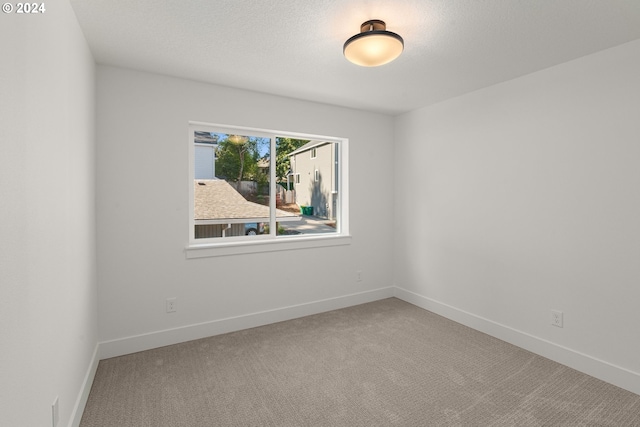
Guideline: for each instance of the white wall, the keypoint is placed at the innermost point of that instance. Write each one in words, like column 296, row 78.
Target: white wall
column 142, row 220
column 525, row 197
column 48, row 285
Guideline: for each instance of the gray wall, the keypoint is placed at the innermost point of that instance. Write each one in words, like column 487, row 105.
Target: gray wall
column 308, row 191
column 48, row 286
column 143, row 207
column 524, row 197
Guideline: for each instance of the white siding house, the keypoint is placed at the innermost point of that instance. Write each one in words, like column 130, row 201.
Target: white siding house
column 314, row 167
column 205, row 155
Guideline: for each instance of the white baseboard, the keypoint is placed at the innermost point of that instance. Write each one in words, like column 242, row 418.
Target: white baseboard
column 81, row 401
column 600, row 369
column 128, row 345
column 589, row 365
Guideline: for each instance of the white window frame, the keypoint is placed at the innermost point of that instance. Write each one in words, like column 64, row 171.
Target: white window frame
column 314, row 153
column 297, row 179
column 199, row 248
column 316, row 175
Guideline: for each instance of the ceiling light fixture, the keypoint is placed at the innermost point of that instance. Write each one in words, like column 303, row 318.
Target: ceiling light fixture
column 374, row 45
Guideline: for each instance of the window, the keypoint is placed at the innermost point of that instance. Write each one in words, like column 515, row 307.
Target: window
column 240, row 188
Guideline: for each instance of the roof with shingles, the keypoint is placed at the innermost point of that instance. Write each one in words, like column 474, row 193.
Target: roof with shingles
column 205, row 138
column 217, row 199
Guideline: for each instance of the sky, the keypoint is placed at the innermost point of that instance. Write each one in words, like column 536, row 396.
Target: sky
column 263, row 144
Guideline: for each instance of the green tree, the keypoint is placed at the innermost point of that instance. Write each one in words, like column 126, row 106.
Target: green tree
column 237, row 157
column 284, row 146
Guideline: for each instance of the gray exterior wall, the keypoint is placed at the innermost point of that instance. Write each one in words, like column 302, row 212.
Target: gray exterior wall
column 320, row 193
column 206, row 231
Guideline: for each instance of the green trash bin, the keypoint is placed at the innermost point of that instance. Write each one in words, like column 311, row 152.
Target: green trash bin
column 306, row 210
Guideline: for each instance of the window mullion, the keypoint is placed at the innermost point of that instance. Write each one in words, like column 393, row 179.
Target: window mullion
column 272, row 187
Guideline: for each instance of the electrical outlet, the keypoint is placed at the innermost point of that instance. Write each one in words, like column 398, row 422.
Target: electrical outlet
column 556, row 318
column 359, row 275
column 55, row 413
column 172, row 305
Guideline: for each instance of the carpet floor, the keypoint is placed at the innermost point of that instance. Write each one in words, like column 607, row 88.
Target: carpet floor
column 386, row 363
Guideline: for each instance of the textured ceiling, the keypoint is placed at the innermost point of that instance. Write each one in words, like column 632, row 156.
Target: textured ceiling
column 294, row 47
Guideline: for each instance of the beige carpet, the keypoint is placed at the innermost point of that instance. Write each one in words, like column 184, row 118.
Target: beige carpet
column 384, row 363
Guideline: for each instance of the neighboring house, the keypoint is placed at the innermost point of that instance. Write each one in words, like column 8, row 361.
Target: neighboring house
column 314, row 168
column 263, row 167
column 205, row 155
column 220, row 211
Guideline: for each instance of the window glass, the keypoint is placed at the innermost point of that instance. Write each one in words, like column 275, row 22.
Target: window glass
column 255, row 185
column 231, row 186
column 316, row 178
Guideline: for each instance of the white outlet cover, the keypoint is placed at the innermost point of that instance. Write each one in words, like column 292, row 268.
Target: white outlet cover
column 557, row 318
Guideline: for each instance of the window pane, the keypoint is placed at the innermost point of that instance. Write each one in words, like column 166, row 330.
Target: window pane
column 244, row 190
column 308, row 171
column 231, row 185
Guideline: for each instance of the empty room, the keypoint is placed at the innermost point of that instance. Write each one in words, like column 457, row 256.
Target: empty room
column 329, row 213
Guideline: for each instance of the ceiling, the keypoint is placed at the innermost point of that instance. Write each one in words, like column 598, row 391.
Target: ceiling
column 293, row 48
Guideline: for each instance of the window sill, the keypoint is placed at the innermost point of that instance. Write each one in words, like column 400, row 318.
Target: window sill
column 271, row 245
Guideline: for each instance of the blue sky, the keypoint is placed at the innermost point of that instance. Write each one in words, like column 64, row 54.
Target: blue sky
column 263, row 143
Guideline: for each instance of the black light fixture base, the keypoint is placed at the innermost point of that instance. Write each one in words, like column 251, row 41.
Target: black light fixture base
column 373, row 25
